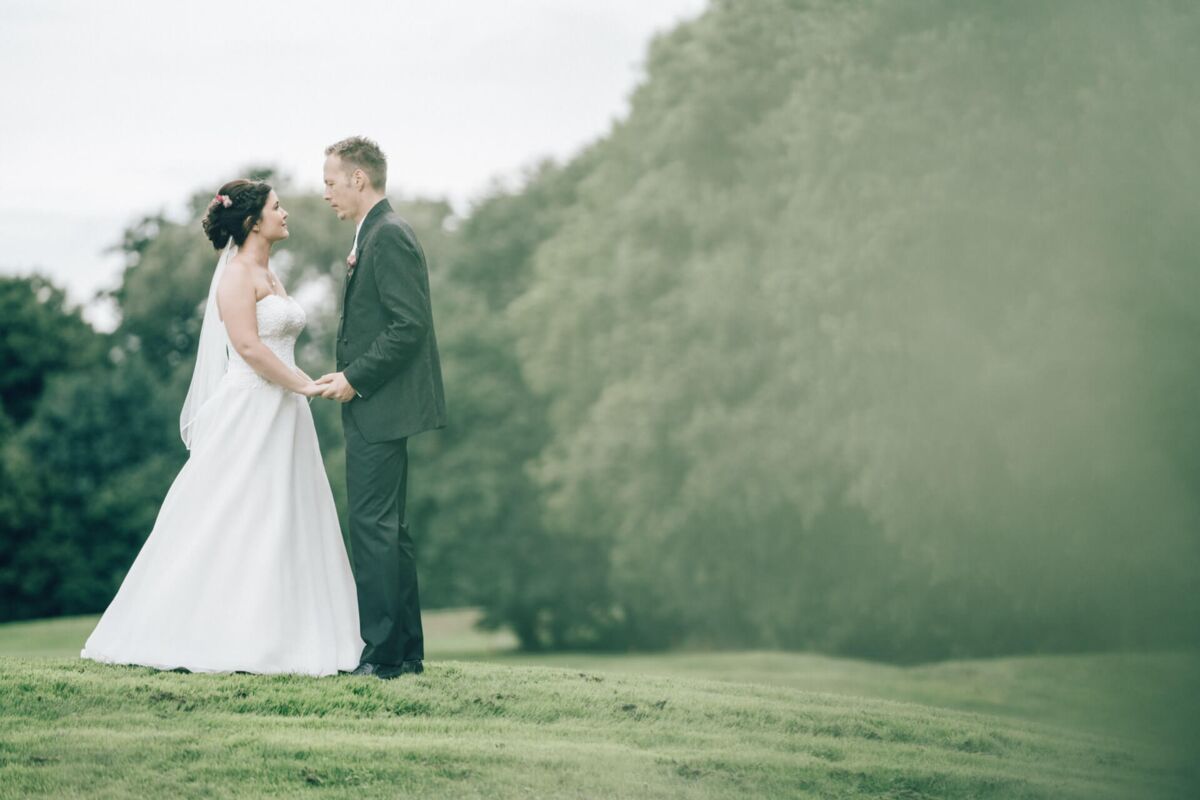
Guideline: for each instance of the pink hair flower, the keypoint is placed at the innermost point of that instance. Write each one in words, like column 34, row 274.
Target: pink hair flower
column 223, row 199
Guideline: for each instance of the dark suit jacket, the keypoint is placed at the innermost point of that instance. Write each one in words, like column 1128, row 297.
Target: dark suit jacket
column 386, row 345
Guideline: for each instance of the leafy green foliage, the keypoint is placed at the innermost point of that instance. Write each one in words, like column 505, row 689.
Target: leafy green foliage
column 91, row 467
column 866, row 332
column 39, row 336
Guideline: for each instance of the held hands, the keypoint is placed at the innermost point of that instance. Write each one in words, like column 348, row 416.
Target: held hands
column 332, row 385
column 310, row 389
column 335, row 386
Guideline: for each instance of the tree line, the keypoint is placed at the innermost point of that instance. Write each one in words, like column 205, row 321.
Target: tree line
column 867, row 330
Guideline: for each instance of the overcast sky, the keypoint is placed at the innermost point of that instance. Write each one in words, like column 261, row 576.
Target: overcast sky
column 117, row 109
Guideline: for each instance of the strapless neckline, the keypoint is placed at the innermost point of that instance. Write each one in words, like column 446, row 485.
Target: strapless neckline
column 274, row 294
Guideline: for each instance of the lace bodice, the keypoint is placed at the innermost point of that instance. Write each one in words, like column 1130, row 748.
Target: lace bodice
column 280, row 320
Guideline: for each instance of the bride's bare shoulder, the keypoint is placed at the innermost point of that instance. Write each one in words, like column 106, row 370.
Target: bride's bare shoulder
column 235, row 288
column 236, row 275
column 240, row 277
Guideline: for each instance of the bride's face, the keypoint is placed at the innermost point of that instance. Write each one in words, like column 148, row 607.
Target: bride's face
column 272, row 225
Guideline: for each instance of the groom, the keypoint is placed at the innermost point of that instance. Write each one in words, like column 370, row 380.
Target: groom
column 389, row 382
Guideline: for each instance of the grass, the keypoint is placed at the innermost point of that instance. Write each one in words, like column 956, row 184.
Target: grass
column 483, row 721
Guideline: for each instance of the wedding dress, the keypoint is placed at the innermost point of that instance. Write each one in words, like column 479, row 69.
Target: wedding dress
column 245, row 568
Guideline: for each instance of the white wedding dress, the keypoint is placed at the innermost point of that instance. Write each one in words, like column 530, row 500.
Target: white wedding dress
column 245, row 568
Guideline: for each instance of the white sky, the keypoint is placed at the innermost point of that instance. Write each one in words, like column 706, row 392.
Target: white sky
column 116, row 109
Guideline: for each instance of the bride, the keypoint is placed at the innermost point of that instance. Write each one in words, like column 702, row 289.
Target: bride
column 245, row 569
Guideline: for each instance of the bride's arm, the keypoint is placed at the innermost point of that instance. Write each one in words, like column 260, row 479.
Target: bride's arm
column 236, row 297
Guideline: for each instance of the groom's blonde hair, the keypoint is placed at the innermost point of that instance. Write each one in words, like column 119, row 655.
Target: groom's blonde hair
column 359, row 152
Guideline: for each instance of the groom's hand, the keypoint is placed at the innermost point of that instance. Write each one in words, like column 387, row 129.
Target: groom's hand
column 335, row 386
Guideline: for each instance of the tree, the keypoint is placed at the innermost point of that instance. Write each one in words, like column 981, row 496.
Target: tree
column 40, row 335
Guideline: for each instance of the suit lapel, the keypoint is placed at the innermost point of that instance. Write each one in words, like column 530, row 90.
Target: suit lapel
column 373, row 216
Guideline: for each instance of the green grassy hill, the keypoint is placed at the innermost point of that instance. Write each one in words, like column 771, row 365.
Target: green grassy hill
column 482, row 722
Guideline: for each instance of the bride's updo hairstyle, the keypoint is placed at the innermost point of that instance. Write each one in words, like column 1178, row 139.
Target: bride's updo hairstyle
column 234, row 210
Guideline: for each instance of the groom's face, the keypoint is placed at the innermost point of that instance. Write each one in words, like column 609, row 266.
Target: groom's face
column 340, row 191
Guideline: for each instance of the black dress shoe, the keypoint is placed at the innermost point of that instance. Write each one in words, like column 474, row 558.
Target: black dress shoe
column 388, row 671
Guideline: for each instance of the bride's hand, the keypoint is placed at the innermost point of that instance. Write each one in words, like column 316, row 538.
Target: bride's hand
column 311, row 390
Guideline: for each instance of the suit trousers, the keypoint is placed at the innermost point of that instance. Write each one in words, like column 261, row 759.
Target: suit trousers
column 381, row 549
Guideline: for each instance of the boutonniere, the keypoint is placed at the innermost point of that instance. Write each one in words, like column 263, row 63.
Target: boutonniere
column 351, row 260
